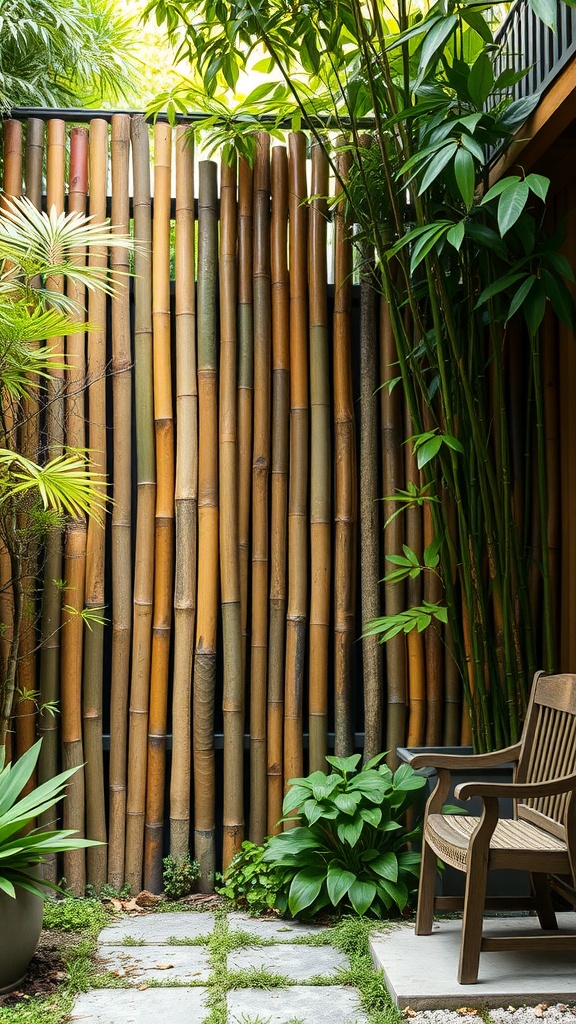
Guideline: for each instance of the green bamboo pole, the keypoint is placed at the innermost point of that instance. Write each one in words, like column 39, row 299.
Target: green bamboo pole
column 260, row 487
column 392, row 437
column 245, row 385
column 298, row 487
column 122, row 509
column 433, row 649
column 51, row 594
column 145, row 508
column 345, row 473
column 415, row 641
column 208, row 574
column 233, row 695
column 186, row 498
column 279, row 481
column 320, row 465
column 95, row 563
column 369, row 526
column 164, row 530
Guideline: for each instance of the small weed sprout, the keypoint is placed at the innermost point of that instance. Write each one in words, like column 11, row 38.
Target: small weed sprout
column 179, row 875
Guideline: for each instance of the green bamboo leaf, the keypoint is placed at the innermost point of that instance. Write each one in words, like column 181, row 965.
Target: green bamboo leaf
column 499, row 187
column 518, row 112
column 546, row 10
column 338, row 882
column 560, row 299
column 304, row 889
column 426, row 452
column 433, row 42
column 361, row 895
column 478, row 23
column 538, row 184
column 481, row 79
column 436, row 165
column 465, row 175
column 534, row 306
column 511, row 204
column 413, row 33
column 519, row 298
column 501, row 285
column 560, row 264
column 426, row 243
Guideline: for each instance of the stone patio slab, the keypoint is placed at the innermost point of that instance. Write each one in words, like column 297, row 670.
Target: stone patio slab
column 298, row 963
column 179, row 964
column 331, row 1004
column 420, row 970
column 272, row 928
column 158, row 928
column 127, row 1006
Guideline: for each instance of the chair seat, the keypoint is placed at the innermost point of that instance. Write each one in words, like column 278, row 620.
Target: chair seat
column 516, row 844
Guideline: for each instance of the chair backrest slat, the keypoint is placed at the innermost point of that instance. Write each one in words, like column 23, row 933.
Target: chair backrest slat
column 549, row 747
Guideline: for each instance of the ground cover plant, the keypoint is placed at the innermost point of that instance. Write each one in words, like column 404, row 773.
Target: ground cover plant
column 418, row 100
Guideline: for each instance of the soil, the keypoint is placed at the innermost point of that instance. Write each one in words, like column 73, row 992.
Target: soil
column 47, row 969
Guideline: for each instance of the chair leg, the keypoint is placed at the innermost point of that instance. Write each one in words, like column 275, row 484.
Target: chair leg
column 474, row 899
column 544, row 906
column 428, row 872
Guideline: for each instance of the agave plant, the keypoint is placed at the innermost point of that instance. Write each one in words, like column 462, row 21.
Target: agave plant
column 21, row 854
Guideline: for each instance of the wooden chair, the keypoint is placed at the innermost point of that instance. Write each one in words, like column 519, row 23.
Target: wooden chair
column 541, row 839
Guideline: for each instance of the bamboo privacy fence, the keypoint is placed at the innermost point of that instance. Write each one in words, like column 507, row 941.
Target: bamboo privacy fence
column 232, row 395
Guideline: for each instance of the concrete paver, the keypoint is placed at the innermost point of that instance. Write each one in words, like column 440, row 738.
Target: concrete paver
column 420, row 970
column 297, row 963
column 181, row 964
column 129, row 1006
column 331, row 1004
column 159, row 927
column 272, row 927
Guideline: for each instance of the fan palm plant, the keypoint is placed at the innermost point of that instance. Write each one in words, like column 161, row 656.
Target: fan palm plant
column 36, row 493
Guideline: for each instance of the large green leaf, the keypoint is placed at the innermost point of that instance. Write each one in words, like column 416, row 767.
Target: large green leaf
column 433, row 42
column 304, row 889
column 436, row 165
column 511, row 204
column 386, row 865
column 361, row 895
column 546, row 10
column 338, row 882
column 481, row 79
column 350, row 831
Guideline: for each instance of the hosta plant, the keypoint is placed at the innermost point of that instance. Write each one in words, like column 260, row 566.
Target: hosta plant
column 350, row 846
column 21, row 853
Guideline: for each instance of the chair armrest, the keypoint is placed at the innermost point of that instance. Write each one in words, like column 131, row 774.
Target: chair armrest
column 516, row 790
column 468, row 761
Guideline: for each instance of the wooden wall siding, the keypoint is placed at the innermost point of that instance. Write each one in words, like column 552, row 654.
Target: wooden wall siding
column 225, row 405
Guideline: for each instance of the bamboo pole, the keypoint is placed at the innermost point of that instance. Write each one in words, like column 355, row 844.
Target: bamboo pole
column 145, row 509
column 320, row 465
column 369, row 534
column 186, row 498
column 345, row 473
column 551, row 389
column 164, row 531
column 415, row 640
column 233, row 696
column 260, row 488
column 76, row 530
column 93, row 682
column 121, row 538
column 279, row 482
column 51, row 593
column 245, row 385
column 298, row 485
column 208, row 578
column 433, row 648
column 392, row 436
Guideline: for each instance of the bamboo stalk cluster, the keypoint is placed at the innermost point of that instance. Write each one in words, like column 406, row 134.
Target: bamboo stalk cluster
column 247, row 441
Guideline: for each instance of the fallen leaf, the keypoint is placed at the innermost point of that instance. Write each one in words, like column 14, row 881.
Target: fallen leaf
column 142, row 988
column 119, row 972
column 467, row 1011
column 164, row 966
column 539, row 1010
column 409, row 1012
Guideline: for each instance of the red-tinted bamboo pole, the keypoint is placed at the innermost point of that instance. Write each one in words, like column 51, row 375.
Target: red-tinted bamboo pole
column 51, row 593
column 164, row 544
column 415, row 641
column 279, row 481
column 186, row 498
column 245, row 385
column 122, row 508
column 93, row 683
column 208, row 568
column 392, row 437
column 298, row 487
column 320, row 466
column 76, row 531
column 145, row 508
column 233, row 696
column 345, row 474
column 260, row 487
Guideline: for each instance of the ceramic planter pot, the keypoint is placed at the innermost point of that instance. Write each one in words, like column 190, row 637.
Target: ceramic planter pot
column 452, row 882
column 20, row 927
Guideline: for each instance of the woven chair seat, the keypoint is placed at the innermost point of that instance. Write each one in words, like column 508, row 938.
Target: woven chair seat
column 516, row 842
